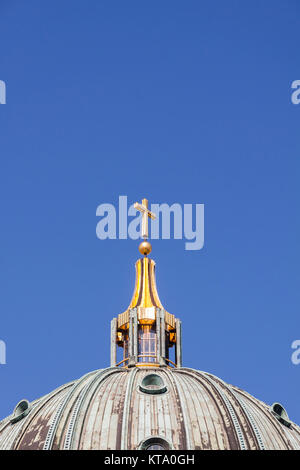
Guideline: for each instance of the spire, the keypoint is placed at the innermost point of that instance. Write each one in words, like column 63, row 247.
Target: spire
column 145, row 330
column 145, row 293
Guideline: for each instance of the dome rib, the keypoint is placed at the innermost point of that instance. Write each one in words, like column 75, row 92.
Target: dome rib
column 101, row 407
column 57, row 417
column 125, row 419
column 236, row 430
column 251, row 423
column 185, row 436
column 30, row 418
column 269, row 418
column 200, row 411
column 93, row 385
column 264, row 410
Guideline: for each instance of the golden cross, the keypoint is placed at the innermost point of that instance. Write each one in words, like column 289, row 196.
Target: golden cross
column 143, row 208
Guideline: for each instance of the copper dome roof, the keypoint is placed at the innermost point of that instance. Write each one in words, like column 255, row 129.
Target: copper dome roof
column 150, row 401
column 116, row 408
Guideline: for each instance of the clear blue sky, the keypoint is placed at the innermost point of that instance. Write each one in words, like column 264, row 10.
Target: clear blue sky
column 186, row 102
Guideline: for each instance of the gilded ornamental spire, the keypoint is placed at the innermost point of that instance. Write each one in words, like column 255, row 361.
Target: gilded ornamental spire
column 145, row 331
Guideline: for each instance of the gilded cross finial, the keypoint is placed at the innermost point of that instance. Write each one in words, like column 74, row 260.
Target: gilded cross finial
column 145, row 247
column 146, row 213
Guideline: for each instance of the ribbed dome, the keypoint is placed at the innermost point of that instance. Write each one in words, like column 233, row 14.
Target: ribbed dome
column 146, row 400
column 122, row 408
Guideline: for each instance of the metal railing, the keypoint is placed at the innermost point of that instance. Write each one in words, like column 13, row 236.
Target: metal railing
column 126, row 360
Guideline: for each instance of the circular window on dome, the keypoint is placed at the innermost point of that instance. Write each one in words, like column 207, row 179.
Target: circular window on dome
column 280, row 413
column 155, row 443
column 153, row 384
column 21, row 410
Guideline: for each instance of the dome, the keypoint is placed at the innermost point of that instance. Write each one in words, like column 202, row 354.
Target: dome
column 146, row 400
column 134, row 408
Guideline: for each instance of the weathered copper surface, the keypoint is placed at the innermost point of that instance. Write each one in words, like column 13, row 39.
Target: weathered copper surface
column 106, row 410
